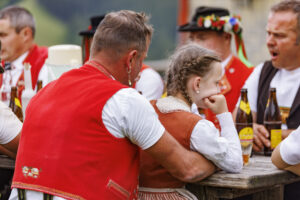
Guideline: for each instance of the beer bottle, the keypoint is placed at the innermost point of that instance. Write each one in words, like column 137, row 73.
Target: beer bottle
column 272, row 122
column 39, row 85
column 15, row 104
column 243, row 125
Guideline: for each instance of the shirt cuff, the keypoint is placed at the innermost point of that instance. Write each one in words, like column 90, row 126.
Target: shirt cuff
column 225, row 119
column 289, row 152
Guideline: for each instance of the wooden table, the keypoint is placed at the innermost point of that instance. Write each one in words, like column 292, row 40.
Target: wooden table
column 260, row 178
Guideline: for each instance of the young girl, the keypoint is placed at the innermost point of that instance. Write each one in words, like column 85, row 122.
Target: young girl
column 192, row 77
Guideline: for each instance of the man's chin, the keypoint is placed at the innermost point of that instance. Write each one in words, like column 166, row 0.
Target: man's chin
column 276, row 64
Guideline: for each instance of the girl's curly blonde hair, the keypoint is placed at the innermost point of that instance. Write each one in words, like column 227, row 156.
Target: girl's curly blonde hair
column 190, row 59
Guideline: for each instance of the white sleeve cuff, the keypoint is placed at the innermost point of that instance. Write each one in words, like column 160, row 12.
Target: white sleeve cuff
column 289, row 148
column 226, row 121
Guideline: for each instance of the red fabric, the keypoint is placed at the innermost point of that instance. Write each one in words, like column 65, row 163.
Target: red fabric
column 236, row 79
column 63, row 136
column 180, row 125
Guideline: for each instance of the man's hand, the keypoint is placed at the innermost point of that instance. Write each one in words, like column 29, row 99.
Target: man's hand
column 216, row 103
column 260, row 137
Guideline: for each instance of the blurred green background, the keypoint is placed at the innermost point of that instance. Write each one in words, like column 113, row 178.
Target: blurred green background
column 60, row 21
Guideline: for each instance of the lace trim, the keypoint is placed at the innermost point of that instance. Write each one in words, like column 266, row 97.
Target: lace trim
column 171, row 104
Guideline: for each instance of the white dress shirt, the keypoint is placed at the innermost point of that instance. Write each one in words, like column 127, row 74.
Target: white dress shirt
column 150, row 84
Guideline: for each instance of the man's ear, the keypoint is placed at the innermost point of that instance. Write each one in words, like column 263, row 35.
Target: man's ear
column 26, row 34
column 130, row 58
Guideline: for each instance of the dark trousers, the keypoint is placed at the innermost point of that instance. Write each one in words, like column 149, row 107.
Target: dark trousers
column 291, row 192
column 5, row 183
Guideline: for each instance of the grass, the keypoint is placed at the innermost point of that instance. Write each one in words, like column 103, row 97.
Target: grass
column 49, row 30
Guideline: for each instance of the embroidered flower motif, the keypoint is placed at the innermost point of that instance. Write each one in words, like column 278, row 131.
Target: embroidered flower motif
column 25, row 170
column 30, row 172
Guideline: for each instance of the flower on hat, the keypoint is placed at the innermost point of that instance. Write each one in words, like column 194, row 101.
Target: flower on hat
column 229, row 24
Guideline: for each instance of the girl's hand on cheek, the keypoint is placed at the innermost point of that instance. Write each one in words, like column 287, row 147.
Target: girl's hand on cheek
column 216, row 103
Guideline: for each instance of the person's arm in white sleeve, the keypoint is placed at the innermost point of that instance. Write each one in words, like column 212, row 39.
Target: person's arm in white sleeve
column 287, row 154
column 224, row 149
column 10, row 127
column 150, row 84
column 128, row 114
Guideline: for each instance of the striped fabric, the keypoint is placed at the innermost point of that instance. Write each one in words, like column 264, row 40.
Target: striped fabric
column 165, row 194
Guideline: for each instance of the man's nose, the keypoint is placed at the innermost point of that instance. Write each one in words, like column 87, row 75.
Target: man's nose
column 270, row 40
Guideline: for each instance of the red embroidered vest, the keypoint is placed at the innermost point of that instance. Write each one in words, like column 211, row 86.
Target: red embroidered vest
column 180, row 125
column 65, row 148
column 236, row 74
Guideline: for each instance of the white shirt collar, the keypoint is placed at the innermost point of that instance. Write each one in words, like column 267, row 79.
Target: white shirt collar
column 18, row 63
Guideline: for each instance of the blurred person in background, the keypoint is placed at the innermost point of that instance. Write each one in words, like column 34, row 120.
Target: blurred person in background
column 282, row 72
column 213, row 28
column 17, row 31
column 94, row 125
column 149, row 82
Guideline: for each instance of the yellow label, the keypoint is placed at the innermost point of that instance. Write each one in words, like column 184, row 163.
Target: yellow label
column 275, row 137
column 246, row 136
column 245, row 107
column 284, row 112
column 18, row 103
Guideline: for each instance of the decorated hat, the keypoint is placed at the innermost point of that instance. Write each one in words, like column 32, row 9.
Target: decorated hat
column 218, row 19
column 95, row 21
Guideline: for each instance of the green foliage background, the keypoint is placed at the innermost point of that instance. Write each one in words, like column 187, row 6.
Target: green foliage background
column 59, row 21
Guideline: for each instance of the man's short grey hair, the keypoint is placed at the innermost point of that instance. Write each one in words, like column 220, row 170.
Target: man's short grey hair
column 289, row 5
column 121, row 32
column 19, row 18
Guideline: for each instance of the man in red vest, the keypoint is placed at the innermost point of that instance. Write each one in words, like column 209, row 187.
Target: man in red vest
column 17, row 30
column 83, row 132
column 213, row 28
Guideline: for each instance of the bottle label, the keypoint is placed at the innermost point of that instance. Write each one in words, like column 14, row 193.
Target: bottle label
column 245, row 107
column 18, row 103
column 275, row 137
column 246, row 136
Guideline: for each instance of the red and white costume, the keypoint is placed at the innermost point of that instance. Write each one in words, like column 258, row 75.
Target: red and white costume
column 36, row 57
column 85, row 140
